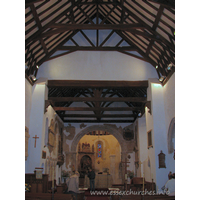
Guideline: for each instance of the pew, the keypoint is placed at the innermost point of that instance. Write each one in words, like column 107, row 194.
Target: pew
column 137, row 182
column 48, row 196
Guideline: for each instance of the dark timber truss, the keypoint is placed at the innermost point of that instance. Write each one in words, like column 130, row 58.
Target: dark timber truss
column 100, row 99
column 143, row 26
column 143, row 29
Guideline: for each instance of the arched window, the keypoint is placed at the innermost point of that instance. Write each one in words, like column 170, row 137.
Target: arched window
column 171, row 136
column 99, row 149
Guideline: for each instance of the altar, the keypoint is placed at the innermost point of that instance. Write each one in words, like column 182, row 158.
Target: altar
column 101, row 181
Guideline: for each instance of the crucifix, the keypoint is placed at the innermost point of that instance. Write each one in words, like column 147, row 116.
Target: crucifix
column 125, row 162
column 35, row 140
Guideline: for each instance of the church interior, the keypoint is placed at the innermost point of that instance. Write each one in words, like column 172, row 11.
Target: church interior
column 99, row 94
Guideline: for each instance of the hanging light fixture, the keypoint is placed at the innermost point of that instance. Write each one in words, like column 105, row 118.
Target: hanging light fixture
column 139, row 114
column 162, row 78
column 169, row 67
column 33, row 77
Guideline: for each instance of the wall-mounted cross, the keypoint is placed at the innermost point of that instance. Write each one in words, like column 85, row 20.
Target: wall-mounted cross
column 35, row 140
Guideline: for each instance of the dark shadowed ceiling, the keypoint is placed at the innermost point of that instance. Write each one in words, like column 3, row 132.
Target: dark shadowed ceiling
column 144, row 29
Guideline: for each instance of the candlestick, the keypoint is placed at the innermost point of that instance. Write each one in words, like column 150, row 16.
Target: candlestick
column 53, row 178
column 143, row 181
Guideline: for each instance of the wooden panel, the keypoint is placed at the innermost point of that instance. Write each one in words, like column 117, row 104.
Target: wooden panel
column 93, row 83
column 37, row 185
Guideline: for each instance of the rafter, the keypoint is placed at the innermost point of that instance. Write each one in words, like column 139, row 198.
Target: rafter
column 85, row 14
column 31, row 2
column 44, row 28
column 166, row 3
column 160, row 11
column 97, row 98
column 99, row 48
column 85, row 36
column 155, row 34
column 108, row 14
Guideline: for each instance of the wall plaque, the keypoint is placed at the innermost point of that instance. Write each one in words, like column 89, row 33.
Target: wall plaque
column 161, row 159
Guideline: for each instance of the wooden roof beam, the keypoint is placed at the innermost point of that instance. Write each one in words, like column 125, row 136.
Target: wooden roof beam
column 100, row 116
column 98, row 99
column 166, row 3
column 96, row 84
column 100, row 121
column 96, row 109
column 99, row 48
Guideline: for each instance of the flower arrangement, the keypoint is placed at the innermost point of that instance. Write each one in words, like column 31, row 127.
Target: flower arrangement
column 27, row 187
column 64, row 173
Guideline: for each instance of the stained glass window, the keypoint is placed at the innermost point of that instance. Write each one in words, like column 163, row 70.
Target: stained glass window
column 99, row 150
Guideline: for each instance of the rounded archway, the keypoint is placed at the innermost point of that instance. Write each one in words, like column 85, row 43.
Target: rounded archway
column 113, row 131
column 111, row 157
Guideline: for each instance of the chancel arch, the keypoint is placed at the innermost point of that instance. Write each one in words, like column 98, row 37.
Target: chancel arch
column 113, row 155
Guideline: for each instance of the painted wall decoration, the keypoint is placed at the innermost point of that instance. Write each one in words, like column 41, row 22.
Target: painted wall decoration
column 51, row 137
column 27, row 136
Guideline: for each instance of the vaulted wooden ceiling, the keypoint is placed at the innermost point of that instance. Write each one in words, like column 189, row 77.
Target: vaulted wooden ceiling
column 144, row 29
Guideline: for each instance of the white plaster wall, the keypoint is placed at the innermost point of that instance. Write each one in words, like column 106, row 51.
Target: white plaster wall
column 147, row 156
column 169, row 100
column 36, row 127
column 159, row 130
column 151, row 171
column 28, row 101
column 142, row 144
column 82, row 65
column 169, row 103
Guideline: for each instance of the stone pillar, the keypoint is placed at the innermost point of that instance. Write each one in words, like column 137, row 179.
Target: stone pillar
column 71, row 159
column 123, row 156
